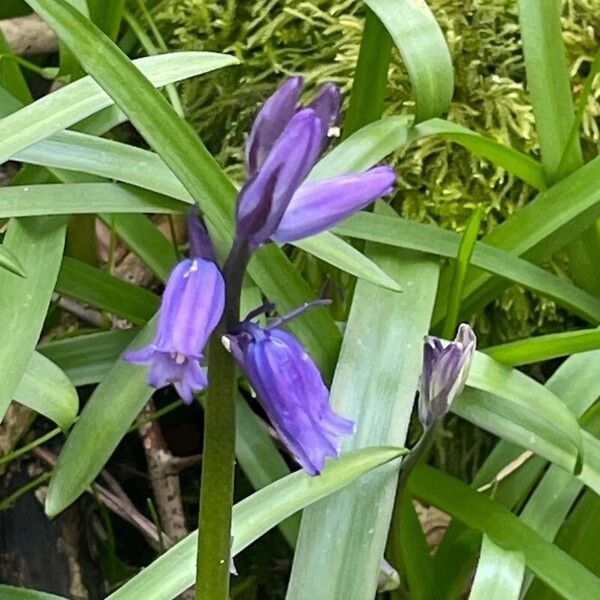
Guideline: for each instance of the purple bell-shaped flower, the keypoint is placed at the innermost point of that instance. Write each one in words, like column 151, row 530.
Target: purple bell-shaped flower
column 291, row 391
column 192, row 305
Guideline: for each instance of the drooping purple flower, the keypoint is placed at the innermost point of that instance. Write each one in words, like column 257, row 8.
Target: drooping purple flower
column 291, row 391
column 192, row 305
column 446, row 367
column 283, row 146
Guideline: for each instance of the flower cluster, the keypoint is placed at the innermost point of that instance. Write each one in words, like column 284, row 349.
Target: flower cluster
column 277, row 203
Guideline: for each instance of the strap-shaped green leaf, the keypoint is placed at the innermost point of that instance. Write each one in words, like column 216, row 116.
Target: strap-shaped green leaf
column 424, row 52
column 10, row 262
column 38, row 242
column 45, row 388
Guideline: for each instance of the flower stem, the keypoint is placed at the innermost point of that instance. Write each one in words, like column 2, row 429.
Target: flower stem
column 218, row 455
column 216, row 486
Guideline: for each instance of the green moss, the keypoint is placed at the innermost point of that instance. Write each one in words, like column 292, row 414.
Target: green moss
column 439, row 181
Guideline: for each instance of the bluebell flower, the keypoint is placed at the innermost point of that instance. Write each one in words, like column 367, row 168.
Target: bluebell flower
column 446, row 366
column 290, row 389
column 284, row 145
column 191, row 308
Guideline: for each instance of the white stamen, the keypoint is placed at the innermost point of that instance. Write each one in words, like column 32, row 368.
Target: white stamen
column 333, row 132
column 193, row 268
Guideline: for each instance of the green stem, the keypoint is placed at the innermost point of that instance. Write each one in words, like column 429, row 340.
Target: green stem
column 216, row 486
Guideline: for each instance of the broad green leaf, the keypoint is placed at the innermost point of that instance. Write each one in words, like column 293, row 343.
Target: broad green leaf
column 197, row 170
column 549, row 563
column 545, row 347
column 424, row 52
column 8, row 592
column 45, row 388
column 525, row 403
column 82, row 198
column 490, row 412
column 38, row 242
column 101, row 425
column 78, row 100
column 499, row 573
column 434, row 240
column 107, row 292
column 374, row 384
column 88, row 358
column 10, row 262
column 175, row 570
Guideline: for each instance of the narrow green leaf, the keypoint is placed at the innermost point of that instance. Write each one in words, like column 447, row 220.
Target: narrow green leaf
column 107, row 14
column 11, row 77
column 342, row 255
column 88, row 358
column 175, row 570
column 8, row 592
column 369, row 86
column 10, row 262
column 96, row 287
column 499, row 574
column 545, row 347
column 424, row 52
column 101, row 425
column 548, row 562
column 434, row 240
column 38, row 242
column 526, row 403
column 45, row 388
column 459, row 272
column 78, row 100
column 82, row 198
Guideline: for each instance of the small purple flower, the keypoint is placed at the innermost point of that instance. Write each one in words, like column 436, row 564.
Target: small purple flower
column 284, row 145
column 291, row 391
column 445, row 369
column 192, row 305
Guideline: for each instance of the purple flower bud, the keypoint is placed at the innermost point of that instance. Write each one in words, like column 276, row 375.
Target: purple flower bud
column 292, row 393
column 318, row 205
column 445, row 369
column 327, row 105
column 200, row 243
column 192, row 306
column 264, row 198
column 270, row 122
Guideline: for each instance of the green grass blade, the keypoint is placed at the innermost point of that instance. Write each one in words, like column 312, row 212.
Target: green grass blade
column 74, row 102
column 374, row 384
column 102, row 290
column 424, row 52
column 38, row 242
column 459, row 272
column 556, row 568
column 88, row 358
column 45, row 388
column 545, row 347
column 107, row 14
column 369, row 86
column 82, row 198
column 175, row 570
column 11, row 77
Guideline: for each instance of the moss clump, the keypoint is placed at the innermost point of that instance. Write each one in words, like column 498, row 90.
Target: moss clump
column 439, row 181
